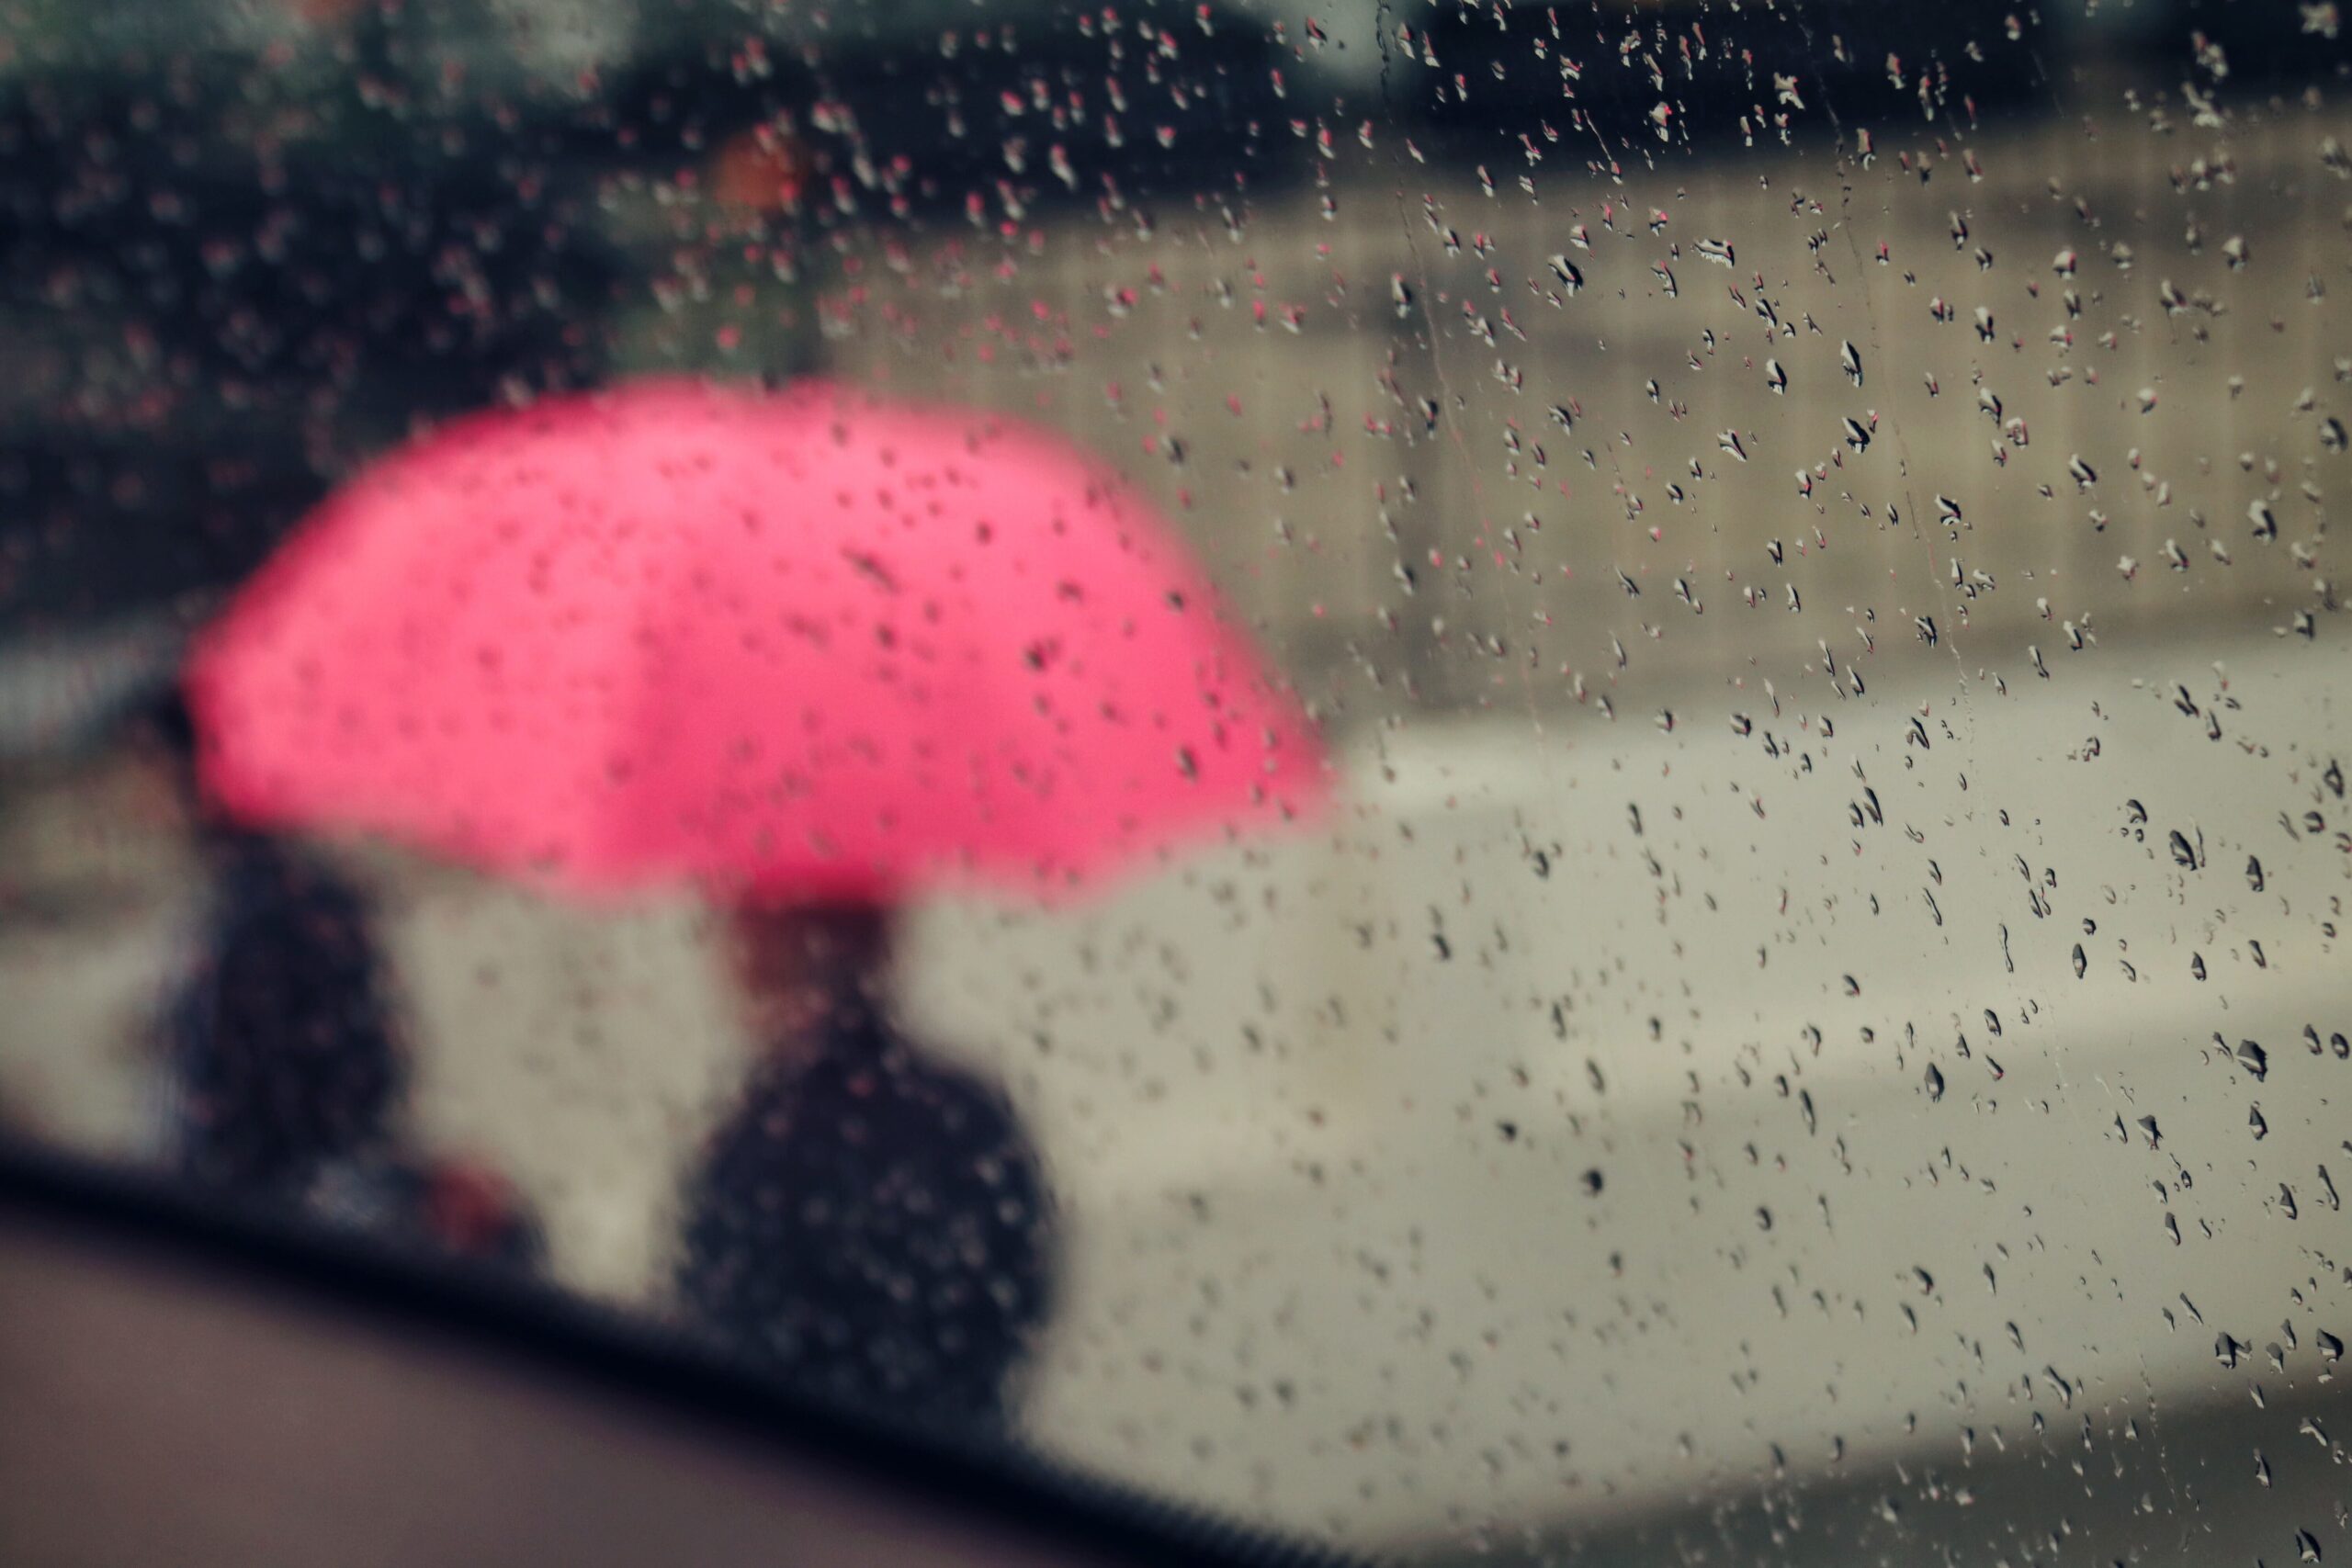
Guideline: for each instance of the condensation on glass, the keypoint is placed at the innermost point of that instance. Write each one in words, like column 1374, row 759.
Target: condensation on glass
column 1812, row 1027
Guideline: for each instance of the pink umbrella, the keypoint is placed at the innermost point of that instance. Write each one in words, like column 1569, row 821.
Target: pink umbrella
column 800, row 647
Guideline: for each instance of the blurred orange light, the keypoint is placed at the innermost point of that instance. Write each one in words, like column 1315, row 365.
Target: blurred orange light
column 758, row 170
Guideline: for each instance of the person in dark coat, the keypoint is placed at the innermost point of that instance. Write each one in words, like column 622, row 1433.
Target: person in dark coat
column 869, row 1222
column 280, row 1043
column 287, row 1067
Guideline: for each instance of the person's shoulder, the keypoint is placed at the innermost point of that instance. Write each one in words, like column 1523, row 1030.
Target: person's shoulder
column 261, row 871
column 890, row 1072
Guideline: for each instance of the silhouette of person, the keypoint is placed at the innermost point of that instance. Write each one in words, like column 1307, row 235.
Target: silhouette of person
column 286, row 1062
column 870, row 1222
column 278, row 1041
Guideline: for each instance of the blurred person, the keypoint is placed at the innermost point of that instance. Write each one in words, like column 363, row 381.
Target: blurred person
column 282, row 1051
column 869, row 1221
column 278, row 1042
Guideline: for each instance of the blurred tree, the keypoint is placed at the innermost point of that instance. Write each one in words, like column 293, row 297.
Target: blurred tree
column 248, row 247
column 240, row 259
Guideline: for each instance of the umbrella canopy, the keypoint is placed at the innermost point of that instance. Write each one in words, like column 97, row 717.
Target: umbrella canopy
column 794, row 646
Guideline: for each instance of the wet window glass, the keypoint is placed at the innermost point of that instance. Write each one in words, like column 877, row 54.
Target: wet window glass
column 1506, row 782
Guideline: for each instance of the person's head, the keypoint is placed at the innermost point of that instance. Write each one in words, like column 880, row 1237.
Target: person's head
column 157, row 745
column 803, row 967
column 164, row 733
column 161, row 734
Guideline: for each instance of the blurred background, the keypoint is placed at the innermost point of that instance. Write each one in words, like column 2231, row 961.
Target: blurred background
column 1804, row 526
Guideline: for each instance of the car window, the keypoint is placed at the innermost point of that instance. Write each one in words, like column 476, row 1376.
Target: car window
column 1509, row 782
